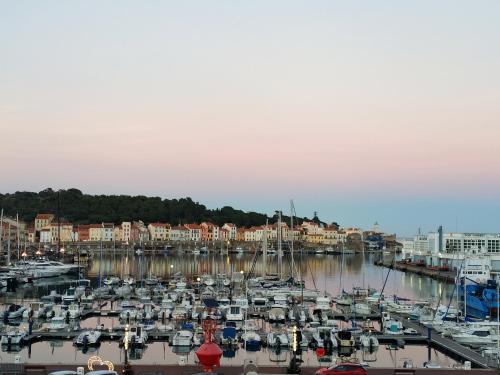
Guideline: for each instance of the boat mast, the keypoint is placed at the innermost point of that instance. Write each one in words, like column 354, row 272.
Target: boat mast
column 292, row 209
column 8, row 244
column 100, row 256
column 17, row 237
column 1, row 233
column 280, row 250
column 264, row 251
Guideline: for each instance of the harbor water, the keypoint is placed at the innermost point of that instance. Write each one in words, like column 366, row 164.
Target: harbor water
column 330, row 273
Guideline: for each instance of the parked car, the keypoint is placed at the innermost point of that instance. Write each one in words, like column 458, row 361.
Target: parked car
column 344, row 369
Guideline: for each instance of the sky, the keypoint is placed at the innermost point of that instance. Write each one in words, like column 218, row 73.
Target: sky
column 363, row 111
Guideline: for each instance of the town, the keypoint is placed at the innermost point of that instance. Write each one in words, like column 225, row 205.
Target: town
column 47, row 230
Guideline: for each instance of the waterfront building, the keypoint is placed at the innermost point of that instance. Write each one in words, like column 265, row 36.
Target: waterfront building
column 126, row 227
column 209, row 232
column 296, row 232
column 31, row 235
column 45, row 236
column 64, row 230
column 249, row 235
column 194, row 232
column 82, row 232
column 159, row 231
column 240, row 234
column 43, row 220
column 118, row 233
column 314, row 238
column 232, row 229
column 179, row 233
column 13, row 232
column 439, row 248
column 101, row 232
column 332, row 236
column 311, row 227
column 223, row 234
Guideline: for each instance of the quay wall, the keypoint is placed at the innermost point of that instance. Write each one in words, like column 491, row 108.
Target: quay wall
column 446, row 276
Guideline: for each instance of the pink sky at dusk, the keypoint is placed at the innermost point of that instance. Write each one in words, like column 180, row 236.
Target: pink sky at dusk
column 232, row 102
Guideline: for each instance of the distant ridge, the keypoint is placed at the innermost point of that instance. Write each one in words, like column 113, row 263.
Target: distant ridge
column 80, row 208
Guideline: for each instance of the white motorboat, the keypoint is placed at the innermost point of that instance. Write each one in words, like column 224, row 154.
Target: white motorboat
column 240, row 301
column 393, row 327
column 234, row 313
column 129, row 280
column 74, row 311
column 475, row 337
column 136, row 336
column 14, row 312
column 277, row 314
column 179, row 313
column 345, row 339
column 361, row 309
column 87, row 300
column 37, row 310
column 368, row 341
column 323, row 302
column 111, row 280
column 277, row 339
column 15, row 337
column 57, row 323
column 88, row 338
column 344, row 300
column 183, row 338
column 123, row 291
column 69, row 295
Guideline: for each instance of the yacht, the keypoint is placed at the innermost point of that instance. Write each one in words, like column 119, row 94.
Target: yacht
column 37, row 310
column 183, row 338
column 277, row 314
column 345, row 339
column 251, row 340
column 475, row 337
column 57, row 323
column 235, row 313
column 44, row 268
column 111, row 280
column 69, row 295
column 393, row 327
column 368, row 341
column 74, row 311
column 361, row 309
column 277, row 339
column 16, row 337
column 323, row 303
column 136, row 336
column 14, row 312
column 90, row 338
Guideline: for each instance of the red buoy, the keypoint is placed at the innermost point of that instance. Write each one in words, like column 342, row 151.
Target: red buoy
column 209, row 353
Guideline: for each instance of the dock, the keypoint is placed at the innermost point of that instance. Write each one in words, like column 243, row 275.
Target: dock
column 446, row 276
column 445, row 344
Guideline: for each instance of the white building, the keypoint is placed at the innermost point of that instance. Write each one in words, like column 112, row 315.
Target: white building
column 232, row 229
column 437, row 248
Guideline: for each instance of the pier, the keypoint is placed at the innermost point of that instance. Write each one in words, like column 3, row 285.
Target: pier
column 446, row 276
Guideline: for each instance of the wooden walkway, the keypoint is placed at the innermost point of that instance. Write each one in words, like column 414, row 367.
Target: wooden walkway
column 445, row 344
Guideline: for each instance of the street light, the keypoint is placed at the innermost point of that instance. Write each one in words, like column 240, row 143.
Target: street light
column 62, row 250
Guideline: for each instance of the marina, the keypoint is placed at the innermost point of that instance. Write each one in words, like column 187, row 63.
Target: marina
column 164, row 308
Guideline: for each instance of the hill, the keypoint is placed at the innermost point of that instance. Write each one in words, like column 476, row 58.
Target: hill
column 80, row 208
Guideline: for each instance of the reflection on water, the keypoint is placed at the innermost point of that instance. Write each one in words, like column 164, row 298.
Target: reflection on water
column 320, row 271
column 161, row 353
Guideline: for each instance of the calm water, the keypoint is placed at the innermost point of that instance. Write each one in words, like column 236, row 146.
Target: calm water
column 358, row 270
